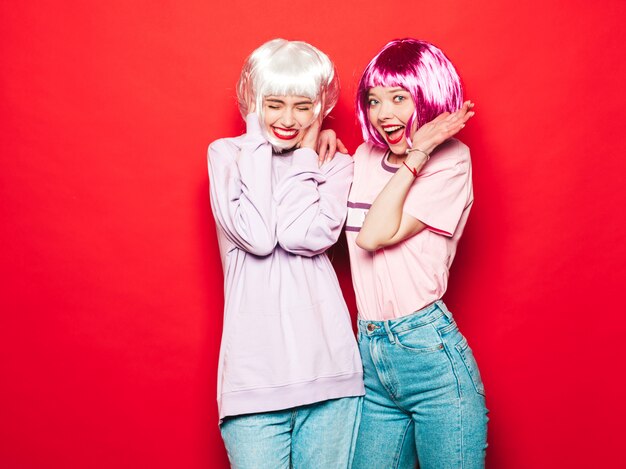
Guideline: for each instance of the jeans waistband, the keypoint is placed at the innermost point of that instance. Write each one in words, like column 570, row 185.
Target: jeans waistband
column 419, row 318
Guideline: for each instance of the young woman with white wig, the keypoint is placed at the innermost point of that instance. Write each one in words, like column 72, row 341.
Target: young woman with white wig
column 290, row 376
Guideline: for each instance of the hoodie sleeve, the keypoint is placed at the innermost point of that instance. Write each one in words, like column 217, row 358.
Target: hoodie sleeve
column 240, row 176
column 311, row 203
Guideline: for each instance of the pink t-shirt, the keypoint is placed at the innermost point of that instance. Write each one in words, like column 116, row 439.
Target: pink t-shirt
column 401, row 279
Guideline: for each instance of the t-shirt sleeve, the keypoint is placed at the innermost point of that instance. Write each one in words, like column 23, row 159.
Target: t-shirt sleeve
column 442, row 190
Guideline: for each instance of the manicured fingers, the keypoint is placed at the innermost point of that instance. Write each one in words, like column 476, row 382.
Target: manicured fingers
column 468, row 111
column 459, row 118
column 321, row 152
column 332, row 148
column 342, row 148
column 326, row 146
column 462, row 111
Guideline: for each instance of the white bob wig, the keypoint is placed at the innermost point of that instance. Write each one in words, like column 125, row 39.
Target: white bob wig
column 282, row 68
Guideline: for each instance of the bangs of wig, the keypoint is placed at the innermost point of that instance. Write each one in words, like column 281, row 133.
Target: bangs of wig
column 287, row 68
column 420, row 68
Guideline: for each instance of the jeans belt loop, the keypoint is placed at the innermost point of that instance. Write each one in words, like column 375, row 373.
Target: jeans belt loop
column 441, row 305
column 390, row 335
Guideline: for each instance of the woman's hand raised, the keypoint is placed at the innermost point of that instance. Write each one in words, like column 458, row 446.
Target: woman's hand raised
column 311, row 135
column 441, row 128
column 325, row 143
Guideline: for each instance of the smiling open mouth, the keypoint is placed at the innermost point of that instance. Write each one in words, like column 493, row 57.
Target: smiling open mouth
column 285, row 134
column 394, row 133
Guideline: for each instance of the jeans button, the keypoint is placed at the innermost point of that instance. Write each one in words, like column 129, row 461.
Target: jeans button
column 371, row 327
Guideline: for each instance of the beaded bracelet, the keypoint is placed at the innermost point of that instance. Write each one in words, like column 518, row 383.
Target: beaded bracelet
column 421, row 151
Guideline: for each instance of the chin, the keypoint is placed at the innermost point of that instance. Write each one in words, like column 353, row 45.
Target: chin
column 398, row 148
column 281, row 146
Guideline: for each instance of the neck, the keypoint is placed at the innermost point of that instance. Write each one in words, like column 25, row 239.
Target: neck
column 395, row 159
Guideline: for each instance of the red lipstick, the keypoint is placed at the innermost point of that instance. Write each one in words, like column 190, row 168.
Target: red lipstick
column 287, row 134
column 395, row 140
column 398, row 133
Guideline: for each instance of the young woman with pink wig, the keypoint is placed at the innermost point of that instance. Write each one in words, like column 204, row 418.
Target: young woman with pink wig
column 410, row 199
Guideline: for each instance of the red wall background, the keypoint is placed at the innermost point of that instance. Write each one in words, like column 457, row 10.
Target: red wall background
column 111, row 285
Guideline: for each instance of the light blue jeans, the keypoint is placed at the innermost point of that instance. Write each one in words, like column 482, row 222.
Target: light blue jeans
column 424, row 398
column 320, row 435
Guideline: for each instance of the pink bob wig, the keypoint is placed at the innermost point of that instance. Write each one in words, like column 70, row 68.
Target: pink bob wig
column 420, row 68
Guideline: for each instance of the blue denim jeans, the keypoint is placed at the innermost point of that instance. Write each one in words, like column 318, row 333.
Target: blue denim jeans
column 317, row 435
column 424, row 398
